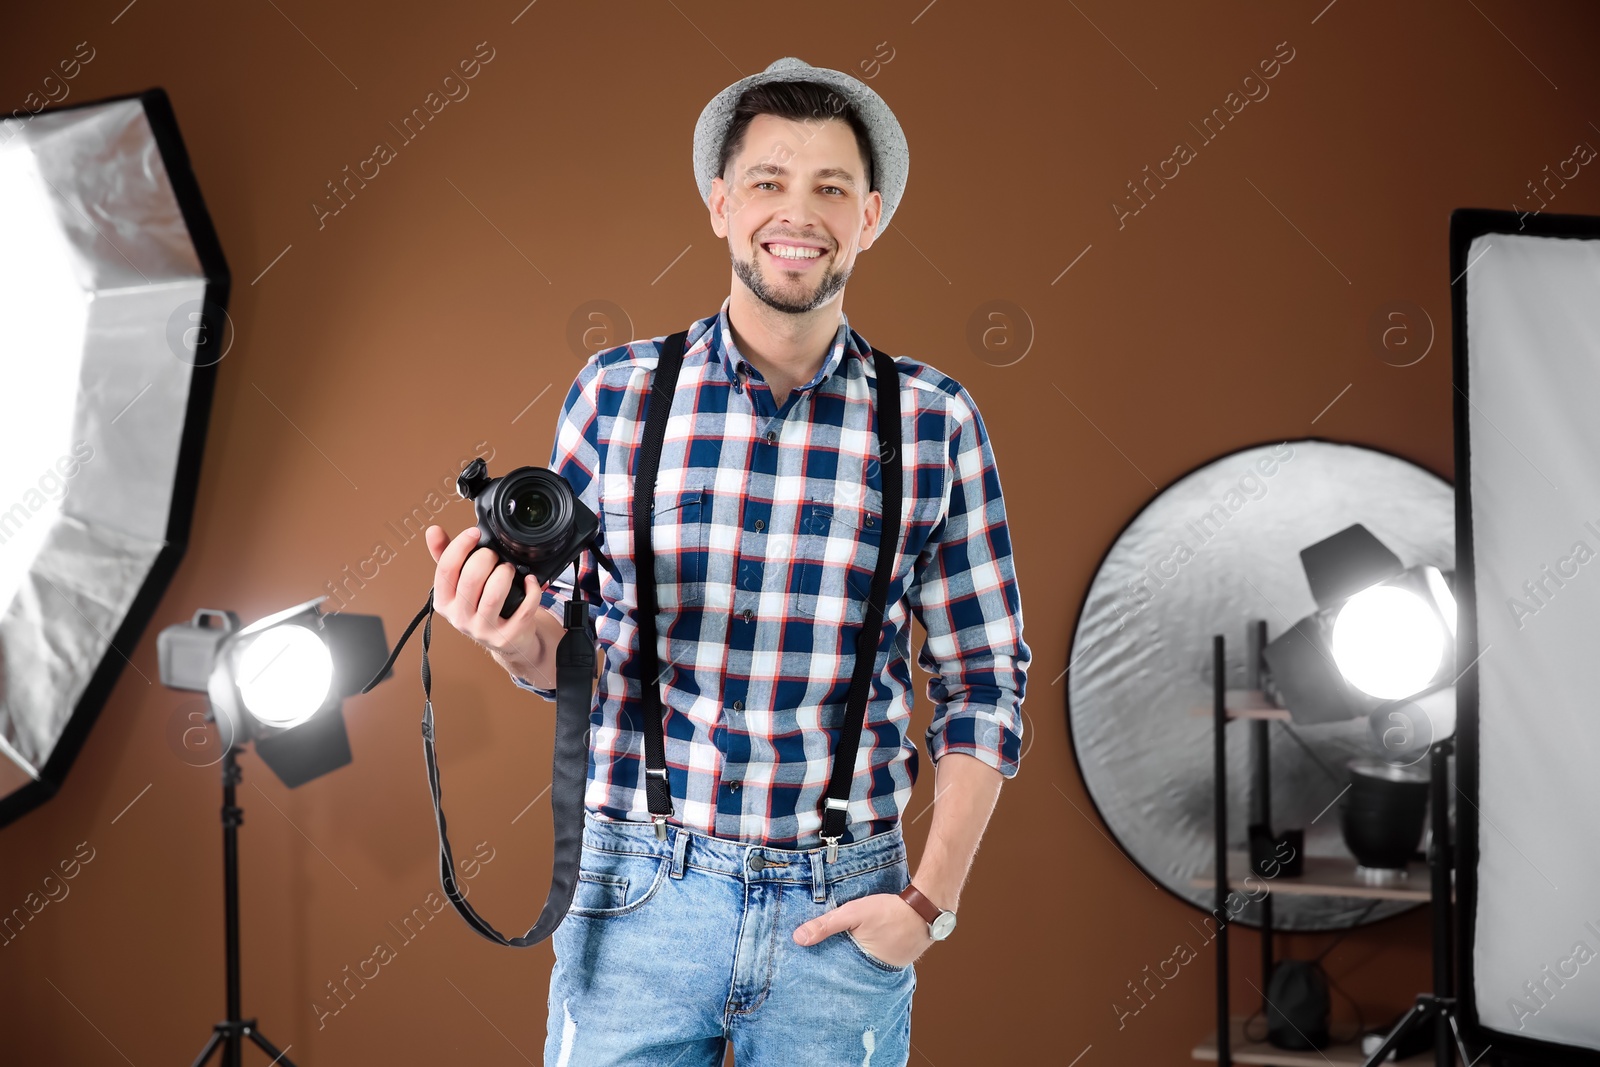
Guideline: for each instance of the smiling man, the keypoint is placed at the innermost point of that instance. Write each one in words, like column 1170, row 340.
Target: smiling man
column 734, row 920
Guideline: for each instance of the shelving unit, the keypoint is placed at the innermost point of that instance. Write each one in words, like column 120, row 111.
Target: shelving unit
column 1327, row 876
column 1321, row 875
column 1246, row 704
column 1243, row 1050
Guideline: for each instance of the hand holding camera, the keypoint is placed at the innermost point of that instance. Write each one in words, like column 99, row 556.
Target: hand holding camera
column 470, row 585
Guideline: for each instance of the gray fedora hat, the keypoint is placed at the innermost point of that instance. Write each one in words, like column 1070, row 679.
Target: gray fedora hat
column 891, row 158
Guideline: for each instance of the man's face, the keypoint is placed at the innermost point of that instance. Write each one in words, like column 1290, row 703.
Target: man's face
column 795, row 210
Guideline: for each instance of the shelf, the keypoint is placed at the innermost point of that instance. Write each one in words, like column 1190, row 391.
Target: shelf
column 1245, row 704
column 1241, row 1050
column 1325, row 876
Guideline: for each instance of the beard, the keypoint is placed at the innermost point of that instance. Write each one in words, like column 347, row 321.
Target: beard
column 790, row 296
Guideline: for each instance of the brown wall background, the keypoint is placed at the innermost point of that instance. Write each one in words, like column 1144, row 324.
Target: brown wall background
column 426, row 317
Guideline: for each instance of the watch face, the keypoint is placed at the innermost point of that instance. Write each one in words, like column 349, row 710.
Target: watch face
column 941, row 927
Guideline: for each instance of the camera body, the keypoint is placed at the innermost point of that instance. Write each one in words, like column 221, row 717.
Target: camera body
column 533, row 520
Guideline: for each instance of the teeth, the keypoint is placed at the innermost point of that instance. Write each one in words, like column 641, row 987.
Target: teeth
column 791, row 252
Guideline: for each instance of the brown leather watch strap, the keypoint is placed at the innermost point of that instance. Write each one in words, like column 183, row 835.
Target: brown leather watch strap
column 925, row 907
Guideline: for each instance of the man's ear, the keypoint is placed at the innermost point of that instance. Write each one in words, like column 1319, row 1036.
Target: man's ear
column 874, row 212
column 717, row 207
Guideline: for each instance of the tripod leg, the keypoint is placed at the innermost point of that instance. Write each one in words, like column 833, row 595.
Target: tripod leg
column 211, row 1047
column 1417, row 1016
column 278, row 1058
column 1461, row 1046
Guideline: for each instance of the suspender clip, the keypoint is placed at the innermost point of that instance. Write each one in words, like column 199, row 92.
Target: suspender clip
column 661, row 827
column 833, row 849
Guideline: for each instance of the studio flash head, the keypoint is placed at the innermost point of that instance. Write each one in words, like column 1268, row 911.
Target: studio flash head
column 533, row 520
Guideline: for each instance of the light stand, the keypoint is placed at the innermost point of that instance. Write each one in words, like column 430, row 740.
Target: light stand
column 229, row 1034
column 1440, row 1005
column 291, row 707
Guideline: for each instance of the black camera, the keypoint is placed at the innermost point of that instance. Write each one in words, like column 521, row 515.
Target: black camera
column 533, row 520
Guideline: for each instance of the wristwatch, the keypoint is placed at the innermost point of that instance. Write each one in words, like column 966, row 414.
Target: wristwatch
column 940, row 922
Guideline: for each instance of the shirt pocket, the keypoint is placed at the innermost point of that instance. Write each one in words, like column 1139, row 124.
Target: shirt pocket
column 836, row 552
column 678, row 536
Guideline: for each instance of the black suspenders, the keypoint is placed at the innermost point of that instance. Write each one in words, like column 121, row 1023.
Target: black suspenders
column 657, row 788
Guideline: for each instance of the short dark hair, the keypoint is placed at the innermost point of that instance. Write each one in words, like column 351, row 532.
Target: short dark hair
column 798, row 100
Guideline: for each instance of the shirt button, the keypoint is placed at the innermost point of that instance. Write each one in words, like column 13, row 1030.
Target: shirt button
column 733, row 787
column 772, row 435
column 738, row 705
column 760, row 525
column 746, row 614
column 869, row 520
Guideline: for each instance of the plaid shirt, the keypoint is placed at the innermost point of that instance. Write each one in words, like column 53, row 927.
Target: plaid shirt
column 767, row 525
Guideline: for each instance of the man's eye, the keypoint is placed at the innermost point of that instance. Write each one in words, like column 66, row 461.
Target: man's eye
column 835, row 188
column 760, row 184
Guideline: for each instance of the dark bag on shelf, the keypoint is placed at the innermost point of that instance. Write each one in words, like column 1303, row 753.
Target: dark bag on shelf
column 1298, row 1007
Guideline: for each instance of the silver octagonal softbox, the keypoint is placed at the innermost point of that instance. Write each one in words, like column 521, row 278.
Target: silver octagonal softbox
column 112, row 296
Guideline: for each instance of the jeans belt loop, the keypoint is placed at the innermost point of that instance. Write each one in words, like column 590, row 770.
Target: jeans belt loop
column 819, row 879
column 679, row 848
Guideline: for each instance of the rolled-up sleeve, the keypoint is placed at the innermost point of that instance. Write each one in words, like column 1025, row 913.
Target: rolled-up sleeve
column 575, row 455
column 967, row 600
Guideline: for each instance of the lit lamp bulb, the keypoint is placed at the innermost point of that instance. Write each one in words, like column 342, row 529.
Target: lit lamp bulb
column 284, row 675
column 1387, row 642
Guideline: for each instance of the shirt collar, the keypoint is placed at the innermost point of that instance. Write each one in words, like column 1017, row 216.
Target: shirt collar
column 724, row 350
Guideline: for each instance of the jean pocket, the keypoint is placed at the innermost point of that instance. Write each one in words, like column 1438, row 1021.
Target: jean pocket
column 678, row 537
column 890, row 878
column 615, row 883
column 836, row 553
column 870, row 958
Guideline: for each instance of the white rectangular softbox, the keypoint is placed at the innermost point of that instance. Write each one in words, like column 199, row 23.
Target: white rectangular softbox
column 1526, row 301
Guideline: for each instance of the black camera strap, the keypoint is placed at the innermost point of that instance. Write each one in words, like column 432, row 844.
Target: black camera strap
column 658, row 788
column 575, row 662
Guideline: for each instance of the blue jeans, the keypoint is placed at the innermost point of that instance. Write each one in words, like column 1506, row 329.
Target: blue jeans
column 673, row 949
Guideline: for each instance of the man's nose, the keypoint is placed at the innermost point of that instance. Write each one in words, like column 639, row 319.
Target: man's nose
column 796, row 209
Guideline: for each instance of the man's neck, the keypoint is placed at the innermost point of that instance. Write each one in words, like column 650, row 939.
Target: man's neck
column 787, row 349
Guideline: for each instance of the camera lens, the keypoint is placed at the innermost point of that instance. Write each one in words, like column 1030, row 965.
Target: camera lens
column 531, row 512
column 529, row 509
